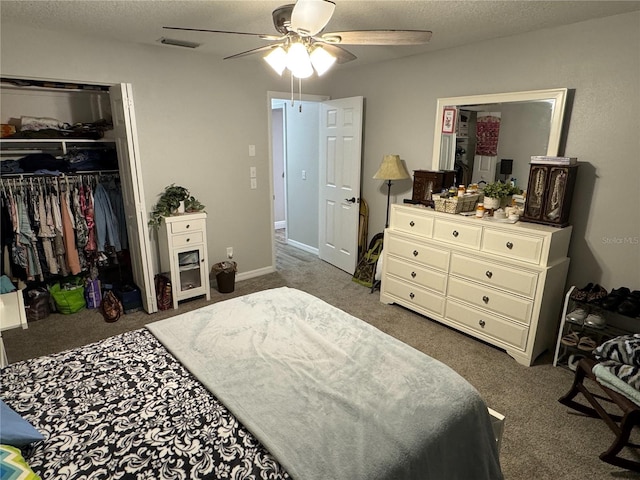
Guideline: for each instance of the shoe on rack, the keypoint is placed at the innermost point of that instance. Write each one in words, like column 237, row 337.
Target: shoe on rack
column 596, row 294
column 580, row 294
column 595, row 321
column 571, row 339
column 587, row 344
column 572, row 363
column 630, row 306
column 577, row 315
column 615, row 298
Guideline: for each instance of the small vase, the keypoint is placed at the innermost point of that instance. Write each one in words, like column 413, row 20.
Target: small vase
column 491, row 203
column 180, row 207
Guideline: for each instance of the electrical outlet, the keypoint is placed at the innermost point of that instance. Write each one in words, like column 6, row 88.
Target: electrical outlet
column 229, row 252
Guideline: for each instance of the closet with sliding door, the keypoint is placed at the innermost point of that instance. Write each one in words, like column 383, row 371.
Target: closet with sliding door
column 73, row 200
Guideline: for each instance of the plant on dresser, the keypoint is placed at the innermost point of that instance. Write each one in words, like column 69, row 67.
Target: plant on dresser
column 502, row 283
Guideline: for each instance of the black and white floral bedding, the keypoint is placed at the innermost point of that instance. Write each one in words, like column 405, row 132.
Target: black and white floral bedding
column 125, row 408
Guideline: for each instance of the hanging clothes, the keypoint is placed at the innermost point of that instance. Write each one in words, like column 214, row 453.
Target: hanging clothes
column 106, row 222
column 73, row 260
column 51, row 225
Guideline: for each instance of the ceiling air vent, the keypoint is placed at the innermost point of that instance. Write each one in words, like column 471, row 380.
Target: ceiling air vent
column 179, row 43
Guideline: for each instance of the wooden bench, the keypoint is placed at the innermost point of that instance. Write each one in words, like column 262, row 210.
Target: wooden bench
column 621, row 425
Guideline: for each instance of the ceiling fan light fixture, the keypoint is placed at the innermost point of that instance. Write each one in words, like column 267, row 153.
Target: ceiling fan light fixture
column 321, row 60
column 310, row 16
column 298, row 60
column 277, row 59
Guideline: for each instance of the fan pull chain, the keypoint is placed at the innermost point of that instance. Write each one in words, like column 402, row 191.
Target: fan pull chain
column 300, row 94
column 292, row 101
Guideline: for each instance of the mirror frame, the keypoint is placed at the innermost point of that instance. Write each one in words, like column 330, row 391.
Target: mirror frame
column 557, row 114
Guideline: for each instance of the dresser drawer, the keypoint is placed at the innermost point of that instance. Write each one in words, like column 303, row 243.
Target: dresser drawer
column 424, row 277
column 513, row 245
column 187, row 225
column 457, row 233
column 414, row 296
column 491, row 325
column 417, row 252
column 186, row 239
column 512, row 307
column 492, row 274
column 412, row 222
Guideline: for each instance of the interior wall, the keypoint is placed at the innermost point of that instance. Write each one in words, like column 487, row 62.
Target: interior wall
column 277, row 129
column 302, row 172
column 604, row 71
column 196, row 117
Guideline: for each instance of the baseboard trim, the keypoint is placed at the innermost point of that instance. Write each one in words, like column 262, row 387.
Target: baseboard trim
column 255, row 273
column 304, row 247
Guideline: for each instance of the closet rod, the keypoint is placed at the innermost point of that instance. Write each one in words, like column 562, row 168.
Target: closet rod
column 62, row 175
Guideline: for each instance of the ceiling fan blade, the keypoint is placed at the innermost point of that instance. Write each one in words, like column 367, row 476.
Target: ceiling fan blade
column 309, row 17
column 378, row 37
column 265, row 36
column 251, row 52
column 342, row 55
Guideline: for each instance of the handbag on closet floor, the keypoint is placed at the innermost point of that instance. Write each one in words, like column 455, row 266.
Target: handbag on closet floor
column 111, row 307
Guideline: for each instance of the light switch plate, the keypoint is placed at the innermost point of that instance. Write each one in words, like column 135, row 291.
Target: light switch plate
column 252, row 172
column 252, row 150
column 254, row 184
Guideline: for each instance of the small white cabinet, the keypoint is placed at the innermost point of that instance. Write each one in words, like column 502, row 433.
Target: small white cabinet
column 499, row 282
column 183, row 252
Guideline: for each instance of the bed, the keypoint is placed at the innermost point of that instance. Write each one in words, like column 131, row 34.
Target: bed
column 272, row 385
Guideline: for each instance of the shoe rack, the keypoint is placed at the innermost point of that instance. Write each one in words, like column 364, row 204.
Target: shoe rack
column 581, row 331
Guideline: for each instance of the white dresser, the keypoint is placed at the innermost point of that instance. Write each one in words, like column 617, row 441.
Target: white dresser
column 502, row 283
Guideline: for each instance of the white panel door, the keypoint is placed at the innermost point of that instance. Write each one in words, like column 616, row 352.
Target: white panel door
column 339, row 169
column 124, row 125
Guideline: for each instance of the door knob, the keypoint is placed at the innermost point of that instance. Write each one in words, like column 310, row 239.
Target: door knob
column 351, row 200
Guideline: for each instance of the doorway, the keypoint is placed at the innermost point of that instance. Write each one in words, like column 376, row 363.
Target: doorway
column 319, row 142
column 294, row 166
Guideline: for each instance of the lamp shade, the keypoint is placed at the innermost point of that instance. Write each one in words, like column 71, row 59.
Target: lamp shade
column 391, row 168
column 298, row 60
column 321, row 60
column 277, row 59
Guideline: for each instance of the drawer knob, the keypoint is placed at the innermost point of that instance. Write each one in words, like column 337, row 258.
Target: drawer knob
column 489, row 273
column 509, row 245
column 415, row 253
column 481, row 323
column 411, row 295
column 455, row 233
column 411, row 223
column 413, row 274
column 485, row 299
column 187, row 226
column 188, row 239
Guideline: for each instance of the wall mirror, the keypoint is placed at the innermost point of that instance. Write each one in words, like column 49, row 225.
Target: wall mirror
column 492, row 137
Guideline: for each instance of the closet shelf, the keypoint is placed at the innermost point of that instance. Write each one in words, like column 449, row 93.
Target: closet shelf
column 25, row 146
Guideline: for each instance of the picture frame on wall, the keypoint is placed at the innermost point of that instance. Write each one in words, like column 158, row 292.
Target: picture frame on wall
column 448, row 120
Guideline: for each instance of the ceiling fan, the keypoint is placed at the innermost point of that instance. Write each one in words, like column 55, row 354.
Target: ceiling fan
column 302, row 47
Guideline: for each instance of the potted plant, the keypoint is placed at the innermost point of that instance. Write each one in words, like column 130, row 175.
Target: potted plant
column 172, row 200
column 497, row 194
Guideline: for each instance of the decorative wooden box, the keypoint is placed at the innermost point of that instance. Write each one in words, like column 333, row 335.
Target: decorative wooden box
column 549, row 194
column 427, row 182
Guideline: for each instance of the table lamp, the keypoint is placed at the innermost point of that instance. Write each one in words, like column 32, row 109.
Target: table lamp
column 391, row 168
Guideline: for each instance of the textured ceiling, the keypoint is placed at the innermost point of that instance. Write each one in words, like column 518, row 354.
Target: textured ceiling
column 453, row 23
